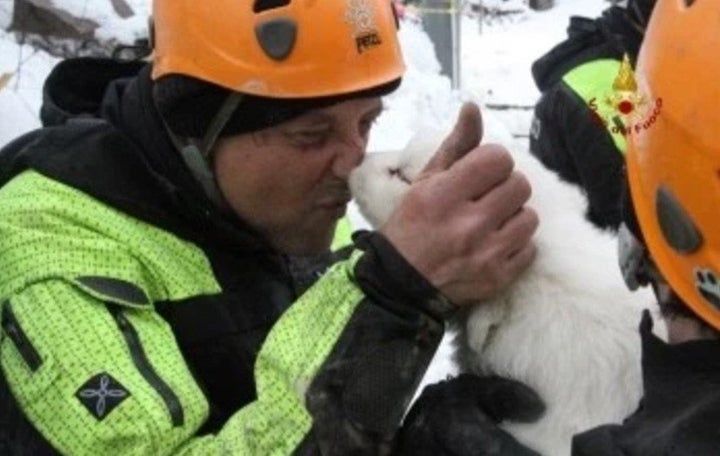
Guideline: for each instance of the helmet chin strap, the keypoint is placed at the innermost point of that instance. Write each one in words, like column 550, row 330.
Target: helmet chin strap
column 637, row 267
column 197, row 153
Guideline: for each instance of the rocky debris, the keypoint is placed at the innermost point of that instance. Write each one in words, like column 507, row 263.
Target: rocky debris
column 60, row 32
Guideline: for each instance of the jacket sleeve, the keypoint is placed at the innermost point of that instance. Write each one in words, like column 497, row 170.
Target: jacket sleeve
column 548, row 136
column 335, row 374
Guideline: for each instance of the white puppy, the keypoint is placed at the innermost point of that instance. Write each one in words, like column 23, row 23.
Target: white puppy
column 567, row 327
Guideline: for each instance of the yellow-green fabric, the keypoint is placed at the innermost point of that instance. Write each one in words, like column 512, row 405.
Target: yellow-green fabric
column 51, row 234
column 51, row 231
column 595, row 80
column 343, row 234
column 77, row 339
column 276, row 423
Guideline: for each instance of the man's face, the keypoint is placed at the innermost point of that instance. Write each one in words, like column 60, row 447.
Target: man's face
column 681, row 328
column 289, row 182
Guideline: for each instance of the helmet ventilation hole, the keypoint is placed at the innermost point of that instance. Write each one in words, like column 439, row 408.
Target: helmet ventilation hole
column 676, row 225
column 264, row 5
column 277, row 37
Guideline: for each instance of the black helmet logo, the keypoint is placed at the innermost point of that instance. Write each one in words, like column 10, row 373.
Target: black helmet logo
column 707, row 283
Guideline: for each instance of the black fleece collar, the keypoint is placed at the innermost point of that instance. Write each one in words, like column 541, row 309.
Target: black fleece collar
column 677, row 370
column 680, row 412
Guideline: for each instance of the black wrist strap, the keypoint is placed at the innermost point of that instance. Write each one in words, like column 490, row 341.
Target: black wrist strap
column 386, row 276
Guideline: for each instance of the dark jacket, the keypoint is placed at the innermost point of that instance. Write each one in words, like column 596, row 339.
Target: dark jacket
column 566, row 135
column 103, row 138
column 680, row 411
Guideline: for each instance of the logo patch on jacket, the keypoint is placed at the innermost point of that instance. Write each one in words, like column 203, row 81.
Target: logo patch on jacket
column 101, row 394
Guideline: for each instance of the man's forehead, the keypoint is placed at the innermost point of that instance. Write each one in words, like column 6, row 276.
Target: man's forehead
column 361, row 106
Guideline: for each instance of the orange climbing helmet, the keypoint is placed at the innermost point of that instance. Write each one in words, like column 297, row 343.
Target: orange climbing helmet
column 673, row 158
column 279, row 48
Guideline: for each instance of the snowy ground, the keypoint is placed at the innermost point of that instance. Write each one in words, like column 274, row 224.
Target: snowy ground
column 21, row 97
column 495, row 70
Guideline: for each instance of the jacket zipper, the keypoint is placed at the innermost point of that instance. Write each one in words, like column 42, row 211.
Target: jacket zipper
column 15, row 332
column 285, row 267
column 142, row 363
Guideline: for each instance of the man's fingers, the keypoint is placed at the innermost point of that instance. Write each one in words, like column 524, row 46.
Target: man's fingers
column 465, row 136
column 517, row 232
column 480, row 171
column 519, row 260
column 501, row 203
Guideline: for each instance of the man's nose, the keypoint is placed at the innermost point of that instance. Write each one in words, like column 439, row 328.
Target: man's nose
column 350, row 153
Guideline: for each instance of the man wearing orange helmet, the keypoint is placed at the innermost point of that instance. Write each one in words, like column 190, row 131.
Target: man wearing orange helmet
column 671, row 238
column 166, row 284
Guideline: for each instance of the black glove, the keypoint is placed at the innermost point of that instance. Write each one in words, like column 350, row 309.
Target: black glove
column 459, row 417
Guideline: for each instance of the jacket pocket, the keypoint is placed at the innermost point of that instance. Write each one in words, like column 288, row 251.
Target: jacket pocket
column 25, row 361
column 144, row 367
column 12, row 329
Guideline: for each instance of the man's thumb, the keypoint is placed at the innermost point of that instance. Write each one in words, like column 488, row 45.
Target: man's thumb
column 465, row 136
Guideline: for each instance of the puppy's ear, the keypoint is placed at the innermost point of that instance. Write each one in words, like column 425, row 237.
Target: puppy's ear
column 465, row 136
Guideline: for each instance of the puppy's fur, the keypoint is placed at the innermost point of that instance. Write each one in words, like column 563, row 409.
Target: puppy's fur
column 567, row 327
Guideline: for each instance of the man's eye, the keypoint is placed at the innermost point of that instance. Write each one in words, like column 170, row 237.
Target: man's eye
column 309, row 138
column 312, row 136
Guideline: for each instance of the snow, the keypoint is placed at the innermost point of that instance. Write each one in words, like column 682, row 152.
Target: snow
column 111, row 25
column 495, row 61
column 495, row 69
column 21, row 98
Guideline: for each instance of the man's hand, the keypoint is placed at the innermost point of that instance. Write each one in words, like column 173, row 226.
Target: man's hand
column 462, row 224
column 459, row 417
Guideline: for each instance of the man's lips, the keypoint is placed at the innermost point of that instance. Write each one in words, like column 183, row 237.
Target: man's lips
column 334, row 196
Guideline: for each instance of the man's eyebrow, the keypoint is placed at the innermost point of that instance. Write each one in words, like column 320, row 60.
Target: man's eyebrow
column 314, row 117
